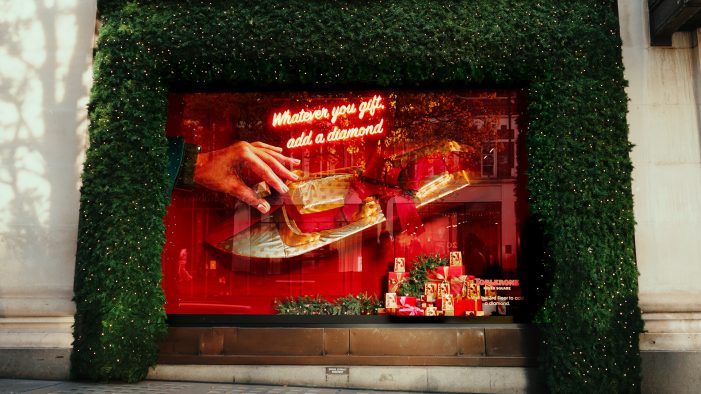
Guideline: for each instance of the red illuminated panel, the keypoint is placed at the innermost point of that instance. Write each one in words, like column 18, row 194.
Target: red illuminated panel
column 400, row 150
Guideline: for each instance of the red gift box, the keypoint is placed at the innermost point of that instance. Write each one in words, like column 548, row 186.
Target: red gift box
column 465, row 286
column 445, row 272
column 407, row 307
column 468, row 307
column 449, row 279
column 394, row 280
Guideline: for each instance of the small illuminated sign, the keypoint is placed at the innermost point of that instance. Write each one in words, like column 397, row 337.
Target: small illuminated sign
column 350, row 119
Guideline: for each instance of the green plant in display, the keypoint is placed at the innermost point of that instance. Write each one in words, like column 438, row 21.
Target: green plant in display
column 565, row 55
column 349, row 305
column 418, row 276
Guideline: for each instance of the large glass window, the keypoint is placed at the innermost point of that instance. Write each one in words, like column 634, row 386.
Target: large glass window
column 314, row 203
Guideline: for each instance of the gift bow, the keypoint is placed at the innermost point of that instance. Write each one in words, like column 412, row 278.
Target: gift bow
column 442, row 274
column 395, row 283
column 413, row 310
column 461, row 282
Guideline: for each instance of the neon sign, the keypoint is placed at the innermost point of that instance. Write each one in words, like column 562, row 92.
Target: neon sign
column 356, row 121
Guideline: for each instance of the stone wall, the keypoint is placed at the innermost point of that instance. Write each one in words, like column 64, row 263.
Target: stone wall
column 45, row 76
column 665, row 93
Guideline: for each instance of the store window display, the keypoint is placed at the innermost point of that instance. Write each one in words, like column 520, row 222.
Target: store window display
column 402, row 200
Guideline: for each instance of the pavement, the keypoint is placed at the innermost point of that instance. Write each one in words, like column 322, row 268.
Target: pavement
column 165, row 387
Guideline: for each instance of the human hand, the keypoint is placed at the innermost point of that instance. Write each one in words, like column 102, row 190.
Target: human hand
column 232, row 169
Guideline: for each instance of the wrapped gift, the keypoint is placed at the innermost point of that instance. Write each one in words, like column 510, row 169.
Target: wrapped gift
column 468, row 307
column 407, row 307
column 319, row 203
column 471, row 289
column 395, row 280
column 406, row 301
column 465, row 286
column 443, row 289
column 446, row 303
column 431, row 291
column 446, row 272
column 455, row 258
column 431, row 311
column 443, row 276
column 399, row 264
column 391, row 301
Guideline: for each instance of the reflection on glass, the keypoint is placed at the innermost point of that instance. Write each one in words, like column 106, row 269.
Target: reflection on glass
column 319, row 193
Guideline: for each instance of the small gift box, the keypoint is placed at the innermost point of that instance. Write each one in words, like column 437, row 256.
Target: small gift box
column 446, row 303
column 468, row 307
column 390, row 301
column 395, row 280
column 443, row 289
column 406, row 301
column 431, row 311
column 407, row 307
column 455, row 259
column 431, row 291
column 399, row 264
column 465, row 286
column 471, row 289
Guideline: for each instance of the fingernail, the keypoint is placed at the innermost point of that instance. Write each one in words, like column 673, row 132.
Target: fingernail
column 296, row 161
column 284, row 188
column 263, row 207
column 295, row 176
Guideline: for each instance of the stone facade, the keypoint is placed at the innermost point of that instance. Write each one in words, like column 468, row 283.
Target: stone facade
column 45, row 69
column 664, row 114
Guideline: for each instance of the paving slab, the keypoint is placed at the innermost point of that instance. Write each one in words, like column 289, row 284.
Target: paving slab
column 8, row 386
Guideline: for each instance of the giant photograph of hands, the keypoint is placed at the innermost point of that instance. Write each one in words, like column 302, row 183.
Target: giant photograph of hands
column 317, row 193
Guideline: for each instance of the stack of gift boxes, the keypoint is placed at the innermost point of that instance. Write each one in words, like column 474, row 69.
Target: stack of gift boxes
column 448, row 292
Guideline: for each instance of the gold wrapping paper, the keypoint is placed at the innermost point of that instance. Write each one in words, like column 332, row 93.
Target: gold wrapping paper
column 399, row 264
column 319, row 192
column 391, row 301
column 277, row 236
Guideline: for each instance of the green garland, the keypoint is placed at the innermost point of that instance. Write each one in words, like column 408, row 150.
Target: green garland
column 567, row 55
column 350, row 305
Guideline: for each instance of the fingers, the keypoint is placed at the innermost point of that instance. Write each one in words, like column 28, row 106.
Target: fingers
column 260, row 168
column 281, row 158
column 276, row 166
column 247, row 195
column 259, row 144
column 275, row 151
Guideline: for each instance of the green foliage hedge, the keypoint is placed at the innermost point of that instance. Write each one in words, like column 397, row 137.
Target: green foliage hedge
column 566, row 54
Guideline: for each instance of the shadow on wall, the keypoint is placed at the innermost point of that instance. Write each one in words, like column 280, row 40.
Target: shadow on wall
column 45, row 49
